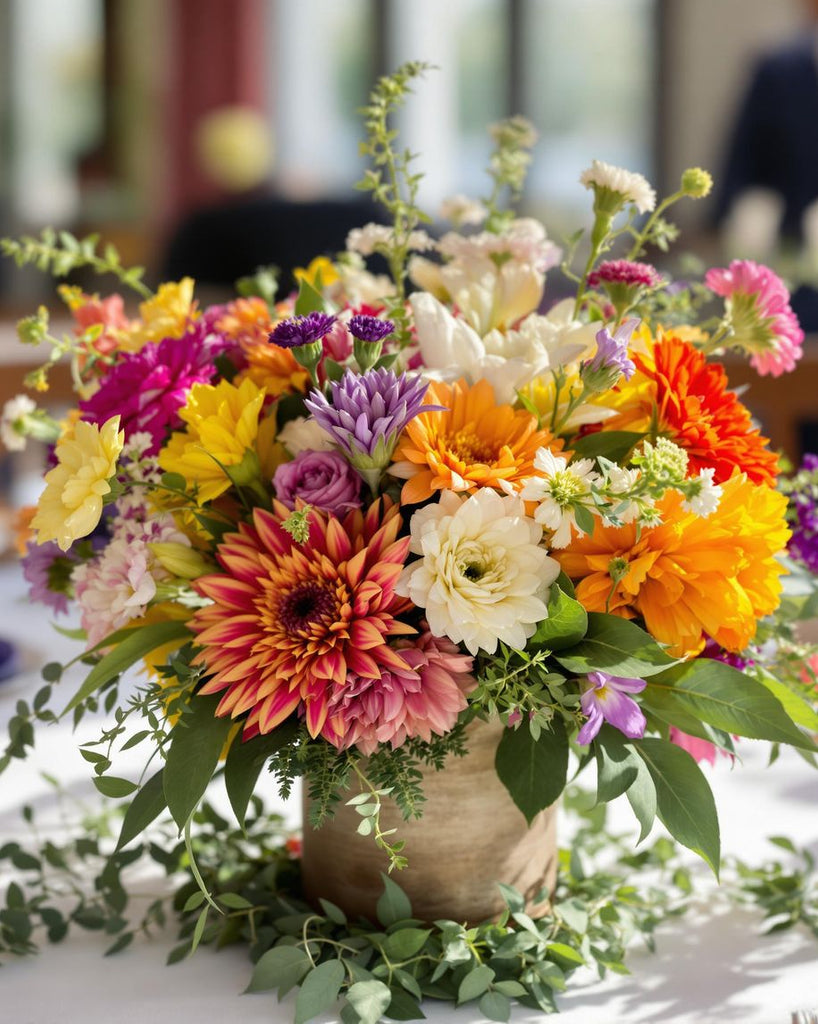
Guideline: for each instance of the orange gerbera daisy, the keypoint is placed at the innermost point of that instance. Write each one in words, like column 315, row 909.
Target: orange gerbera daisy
column 679, row 394
column 249, row 322
column 691, row 577
column 471, row 443
column 290, row 620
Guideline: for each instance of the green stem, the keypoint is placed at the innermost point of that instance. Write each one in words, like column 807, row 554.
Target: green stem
column 194, row 869
column 644, row 234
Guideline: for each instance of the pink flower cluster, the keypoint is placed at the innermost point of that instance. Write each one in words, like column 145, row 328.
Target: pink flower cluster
column 625, row 272
column 758, row 304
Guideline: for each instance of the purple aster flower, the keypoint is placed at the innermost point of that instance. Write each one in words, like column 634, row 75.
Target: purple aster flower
column 604, row 699
column 147, row 388
column 367, row 413
column 47, row 570
column 302, row 330
column 370, row 328
column 802, row 513
column 610, row 359
column 716, row 652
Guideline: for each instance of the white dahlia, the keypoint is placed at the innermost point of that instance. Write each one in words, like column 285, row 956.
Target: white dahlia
column 483, row 576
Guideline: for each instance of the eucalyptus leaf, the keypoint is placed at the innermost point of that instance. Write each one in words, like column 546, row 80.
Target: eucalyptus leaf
column 279, row 967
column 369, row 999
column 319, row 990
column 475, row 983
column 393, row 904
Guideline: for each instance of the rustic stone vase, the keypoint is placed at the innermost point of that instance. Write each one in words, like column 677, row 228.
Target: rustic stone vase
column 471, row 837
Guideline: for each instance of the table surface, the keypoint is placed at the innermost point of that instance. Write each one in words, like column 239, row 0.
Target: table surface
column 713, row 965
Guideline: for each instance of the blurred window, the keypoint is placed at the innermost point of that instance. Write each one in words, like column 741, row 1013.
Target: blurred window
column 56, row 104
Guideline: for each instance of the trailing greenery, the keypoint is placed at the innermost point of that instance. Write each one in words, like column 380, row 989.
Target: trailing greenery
column 60, row 253
column 384, row 967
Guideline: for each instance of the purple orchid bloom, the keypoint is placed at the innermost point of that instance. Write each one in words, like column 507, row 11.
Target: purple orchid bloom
column 366, row 413
column 604, row 699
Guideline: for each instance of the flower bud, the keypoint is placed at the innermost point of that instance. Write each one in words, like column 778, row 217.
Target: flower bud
column 696, row 183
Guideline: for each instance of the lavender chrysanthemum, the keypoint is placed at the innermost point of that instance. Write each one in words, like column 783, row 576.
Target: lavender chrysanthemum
column 610, row 359
column 366, row 413
column 302, row 330
column 370, row 328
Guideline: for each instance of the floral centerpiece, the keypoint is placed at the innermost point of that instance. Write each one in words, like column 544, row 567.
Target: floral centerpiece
column 344, row 528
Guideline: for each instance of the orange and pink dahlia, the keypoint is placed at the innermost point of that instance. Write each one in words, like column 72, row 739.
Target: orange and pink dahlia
column 290, row 622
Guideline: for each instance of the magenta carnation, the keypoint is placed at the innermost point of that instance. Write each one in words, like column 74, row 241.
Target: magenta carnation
column 323, row 479
column 625, row 272
column 758, row 308
column 402, row 704
column 147, row 388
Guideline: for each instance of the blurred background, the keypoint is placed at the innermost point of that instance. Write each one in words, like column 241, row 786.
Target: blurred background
column 205, row 137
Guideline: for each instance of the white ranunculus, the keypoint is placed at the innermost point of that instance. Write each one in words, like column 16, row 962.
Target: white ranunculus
column 304, row 434
column 483, row 576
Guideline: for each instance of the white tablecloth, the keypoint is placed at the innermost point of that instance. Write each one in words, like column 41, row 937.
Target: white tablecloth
column 712, row 965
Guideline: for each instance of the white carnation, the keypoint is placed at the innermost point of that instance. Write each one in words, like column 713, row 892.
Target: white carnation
column 633, row 187
column 483, row 576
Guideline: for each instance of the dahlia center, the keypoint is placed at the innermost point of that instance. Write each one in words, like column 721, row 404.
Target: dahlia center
column 467, row 446
column 305, row 604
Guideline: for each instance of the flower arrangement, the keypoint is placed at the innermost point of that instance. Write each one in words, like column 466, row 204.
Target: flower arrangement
column 338, row 527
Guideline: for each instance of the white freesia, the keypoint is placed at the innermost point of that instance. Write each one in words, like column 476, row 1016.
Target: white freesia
column 633, row 187
column 483, row 577
column 14, row 411
column 560, row 489
column 304, row 434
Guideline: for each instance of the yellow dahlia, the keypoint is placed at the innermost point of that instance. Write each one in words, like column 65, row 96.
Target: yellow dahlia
column 221, row 428
column 691, row 577
column 291, row 622
column 71, row 504
column 471, row 443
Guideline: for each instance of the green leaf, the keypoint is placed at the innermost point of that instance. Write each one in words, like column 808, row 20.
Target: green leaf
column 495, row 1006
column 319, row 990
column 129, row 646
column 617, row 764
column 641, row 796
column 279, row 967
column 405, row 942
column 616, row 646
column 145, row 807
column 245, row 761
column 335, row 914
column 684, row 800
column 795, row 706
column 565, row 626
column 393, row 904
column 121, row 943
column 612, row 444
column 369, row 999
column 233, row 901
column 567, row 954
column 110, row 786
column 404, row 1007
column 197, row 740
column 726, row 699
column 534, row 772
column 475, row 983
column 310, row 301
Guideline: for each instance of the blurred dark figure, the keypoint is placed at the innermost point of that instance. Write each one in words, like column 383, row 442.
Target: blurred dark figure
column 775, row 143
column 252, row 227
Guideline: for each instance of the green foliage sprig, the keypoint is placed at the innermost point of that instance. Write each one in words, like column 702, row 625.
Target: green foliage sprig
column 60, row 253
column 391, row 181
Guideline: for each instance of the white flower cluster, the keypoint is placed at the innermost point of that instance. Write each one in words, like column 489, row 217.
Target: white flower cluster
column 14, row 412
column 378, row 237
column 634, row 188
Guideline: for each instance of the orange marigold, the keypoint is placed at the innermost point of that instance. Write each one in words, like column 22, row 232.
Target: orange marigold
column 679, row 394
column 473, row 442
column 249, row 322
column 690, row 577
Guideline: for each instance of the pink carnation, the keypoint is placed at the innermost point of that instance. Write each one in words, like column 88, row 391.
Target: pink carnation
column 625, row 272
column 701, row 750
column 758, row 307
column 109, row 312
column 402, row 704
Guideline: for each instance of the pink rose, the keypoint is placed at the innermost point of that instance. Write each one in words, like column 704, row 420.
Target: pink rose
column 322, row 479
